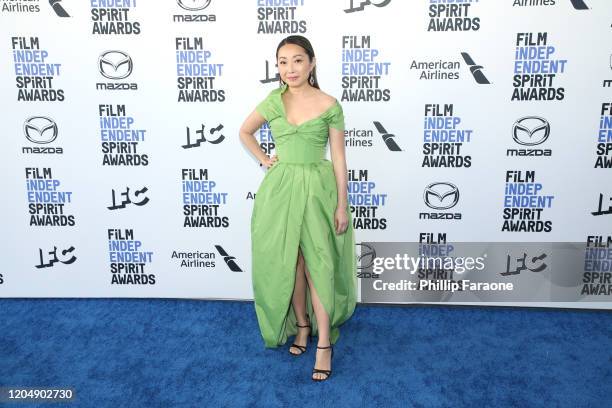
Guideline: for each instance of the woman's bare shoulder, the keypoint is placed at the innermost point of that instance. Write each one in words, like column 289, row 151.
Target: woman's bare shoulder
column 326, row 99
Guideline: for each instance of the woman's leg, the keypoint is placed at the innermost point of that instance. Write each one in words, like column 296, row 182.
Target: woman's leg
column 298, row 300
column 323, row 359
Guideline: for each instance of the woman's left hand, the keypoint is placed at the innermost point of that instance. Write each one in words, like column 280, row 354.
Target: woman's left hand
column 340, row 220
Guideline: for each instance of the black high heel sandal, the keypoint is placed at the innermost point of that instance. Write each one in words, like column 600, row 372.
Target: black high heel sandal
column 326, row 372
column 302, row 348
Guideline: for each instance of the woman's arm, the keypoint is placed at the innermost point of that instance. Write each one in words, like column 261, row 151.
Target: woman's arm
column 336, row 142
column 252, row 123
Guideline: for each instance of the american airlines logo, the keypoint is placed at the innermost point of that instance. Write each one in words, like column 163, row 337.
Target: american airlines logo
column 387, row 137
column 579, row 5
column 57, row 7
column 230, row 261
column 475, row 69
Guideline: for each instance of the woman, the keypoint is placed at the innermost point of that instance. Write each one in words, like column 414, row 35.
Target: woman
column 301, row 226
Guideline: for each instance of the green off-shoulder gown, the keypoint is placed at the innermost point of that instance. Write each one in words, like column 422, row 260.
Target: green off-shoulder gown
column 294, row 206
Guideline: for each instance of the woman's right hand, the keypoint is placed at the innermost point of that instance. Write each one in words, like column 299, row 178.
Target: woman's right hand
column 269, row 161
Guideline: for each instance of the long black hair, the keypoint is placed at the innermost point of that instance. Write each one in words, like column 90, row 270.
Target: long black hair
column 305, row 44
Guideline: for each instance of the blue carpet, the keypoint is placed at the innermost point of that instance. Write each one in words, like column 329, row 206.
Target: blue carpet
column 175, row 353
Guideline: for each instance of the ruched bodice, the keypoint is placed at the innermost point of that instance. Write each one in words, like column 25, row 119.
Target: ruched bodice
column 303, row 143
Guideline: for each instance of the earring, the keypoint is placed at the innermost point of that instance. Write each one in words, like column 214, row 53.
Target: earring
column 311, row 80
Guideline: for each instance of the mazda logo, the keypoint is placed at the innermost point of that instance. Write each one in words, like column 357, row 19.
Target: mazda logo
column 193, row 5
column 441, row 196
column 115, row 64
column 530, row 130
column 367, row 256
column 40, row 129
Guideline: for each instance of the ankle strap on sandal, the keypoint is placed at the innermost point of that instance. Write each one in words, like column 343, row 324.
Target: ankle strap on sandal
column 307, row 321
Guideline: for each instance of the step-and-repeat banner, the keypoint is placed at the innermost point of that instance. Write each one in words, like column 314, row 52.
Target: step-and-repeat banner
column 485, row 122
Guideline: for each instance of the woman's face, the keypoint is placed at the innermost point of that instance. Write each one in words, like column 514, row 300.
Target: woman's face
column 293, row 65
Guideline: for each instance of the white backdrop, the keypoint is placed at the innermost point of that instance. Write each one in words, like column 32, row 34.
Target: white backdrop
column 398, row 33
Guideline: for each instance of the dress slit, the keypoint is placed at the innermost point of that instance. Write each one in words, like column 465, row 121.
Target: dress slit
column 294, row 208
